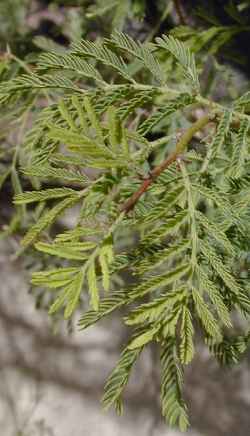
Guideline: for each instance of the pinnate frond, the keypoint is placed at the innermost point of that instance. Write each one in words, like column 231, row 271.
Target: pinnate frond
column 183, row 55
column 205, row 315
column 164, row 112
column 47, row 194
column 54, row 61
column 47, row 219
column 173, row 406
column 143, row 52
column 103, row 54
column 186, row 333
column 215, row 296
column 218, row 266
column 239, row 156
column 118, row 379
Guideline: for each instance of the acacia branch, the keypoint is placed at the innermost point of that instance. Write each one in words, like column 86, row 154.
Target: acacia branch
column 180, row 147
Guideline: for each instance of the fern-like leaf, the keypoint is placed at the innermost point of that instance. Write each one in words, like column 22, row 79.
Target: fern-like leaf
column 186, row 332
column 218, row 266
column 69, row 296
column 143, row 52
column 183, row 55
column 47, row 194
column 47, row 219
column 164, row 112
column 205, row 315
column 215, row 296
column 118, row 379
column 54, row 61
column 103, row 54
column 239, row 156
column 173, row 406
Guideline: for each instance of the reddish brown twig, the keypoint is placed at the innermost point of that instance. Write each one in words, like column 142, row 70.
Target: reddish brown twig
column 180, row 147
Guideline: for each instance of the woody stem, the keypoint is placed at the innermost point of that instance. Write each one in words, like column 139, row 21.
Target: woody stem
column 180, row 147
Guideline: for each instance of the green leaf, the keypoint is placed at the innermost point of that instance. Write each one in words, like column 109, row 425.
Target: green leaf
column 243, row 302
column 126, row 108
column 106, row 306
column 191, row 212
column 173, row 406
column 229, row 351
column 122, row 10
column 221, row 132
column 161, row 255
column 171, row 224
column 163, row 205
column 102, row 163
column 92, row 284
column 118, row 379
column 60, row 300
column 158, row 308
column 115, row 129
column 46, row 194
column 85, row 144
column 53, row 278
column 78, row 105
column 35, row 82
column 104, row 262
column 164, row 112
column 217, row 197
column 76, row 233
column 218, row 139
column 183, row 55
column 118, row 299
column 69, row 296
column 240, row 152
column 205, row 315
column 56, row 61
column 157, row 282
column 93, row 119
column 66, row 114
column 66, row 251
column 17, row 188
column 143, row 52
column 47, row 219
column 100, row 10
column 101, row 53
column 218, row 266
column 215, row 296
column 215, row 232
column 186, row 332
column 170, row 322
column 143, row 338
column 74, row 296
column 47, row 171
column 243, row 101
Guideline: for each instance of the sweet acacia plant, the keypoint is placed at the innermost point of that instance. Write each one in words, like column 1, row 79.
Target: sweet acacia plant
column 158, row 176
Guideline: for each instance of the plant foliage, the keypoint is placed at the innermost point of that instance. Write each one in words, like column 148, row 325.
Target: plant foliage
column 185, row 212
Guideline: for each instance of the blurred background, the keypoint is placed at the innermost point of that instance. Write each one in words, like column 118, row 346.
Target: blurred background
column 52, row 375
